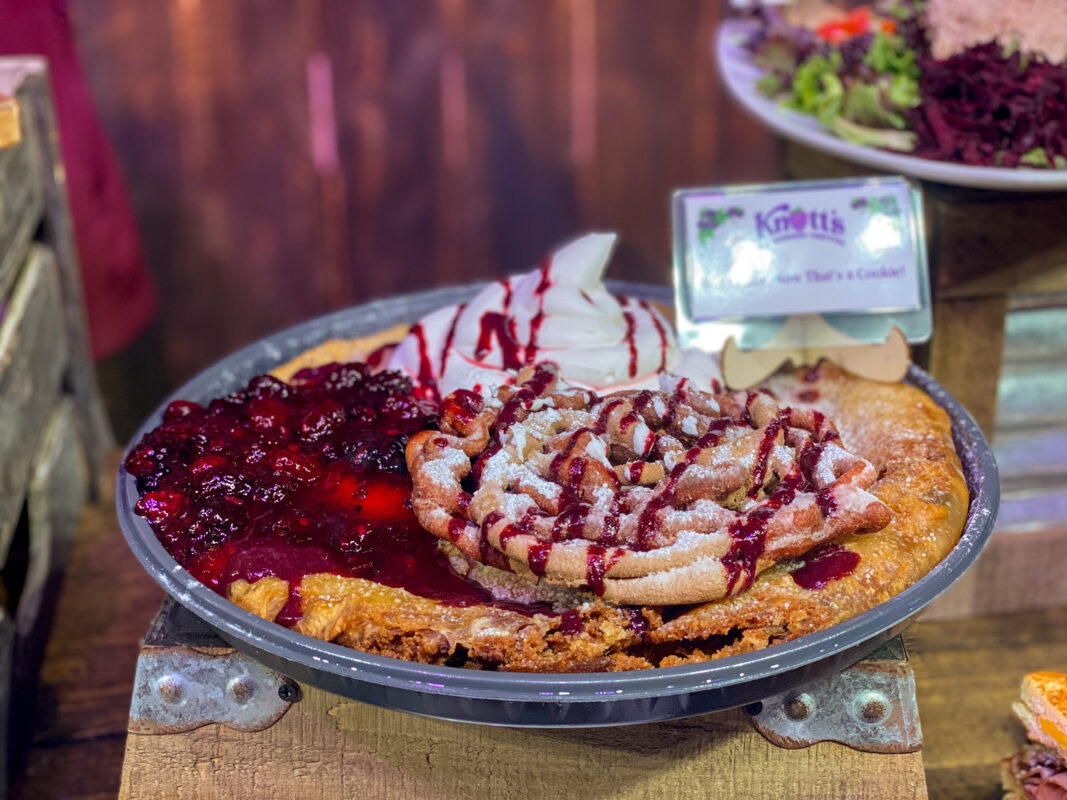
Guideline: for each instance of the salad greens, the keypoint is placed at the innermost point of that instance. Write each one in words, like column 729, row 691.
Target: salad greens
column 863, row 102
column 869, row 77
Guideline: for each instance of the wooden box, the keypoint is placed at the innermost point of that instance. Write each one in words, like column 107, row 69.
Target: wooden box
column 53, row 432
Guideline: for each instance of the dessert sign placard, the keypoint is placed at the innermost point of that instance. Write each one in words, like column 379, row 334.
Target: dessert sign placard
column 796, row 266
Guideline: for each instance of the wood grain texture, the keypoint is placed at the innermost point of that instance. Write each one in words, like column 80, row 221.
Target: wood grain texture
column 287, row 159
column 58, row 489
column 21, row 192
column 989, row 244
column 965, row 353
column 33, row 356
column 57, row 233
column 57, row 492
column 968, row 674
column 329, row 747
column 1025, row 567
column 83, row 693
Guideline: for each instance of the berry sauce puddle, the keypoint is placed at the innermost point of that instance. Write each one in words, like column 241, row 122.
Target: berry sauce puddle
column 293, row 479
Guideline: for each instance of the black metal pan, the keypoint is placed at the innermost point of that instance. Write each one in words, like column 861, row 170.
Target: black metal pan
column 537, row 700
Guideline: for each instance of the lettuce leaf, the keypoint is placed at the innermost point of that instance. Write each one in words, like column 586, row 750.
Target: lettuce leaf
column 903, row 141
column 889, row 54
column 817, row 89
column 863, row 105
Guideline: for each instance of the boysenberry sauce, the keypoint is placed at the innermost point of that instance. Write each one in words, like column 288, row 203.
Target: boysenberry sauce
column 293, row 479
column 829, row 563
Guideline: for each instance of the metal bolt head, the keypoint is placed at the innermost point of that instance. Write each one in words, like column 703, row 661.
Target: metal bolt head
column 872, row 706
column 241, row 689
column 289, row 691
column 799, row 707
column 171, row 689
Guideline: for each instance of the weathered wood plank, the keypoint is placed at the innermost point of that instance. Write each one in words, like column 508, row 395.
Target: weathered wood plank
column 326, row 746
column 1018, row 570
column 968, row 673
column 965, row 353
column 21, row 193
column 72, row 770
column 57, row 492
column 106, row 602
column 33, row 357
column 58, row 233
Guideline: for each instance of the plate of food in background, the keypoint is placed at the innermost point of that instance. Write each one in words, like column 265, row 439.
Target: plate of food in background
column 950, row 92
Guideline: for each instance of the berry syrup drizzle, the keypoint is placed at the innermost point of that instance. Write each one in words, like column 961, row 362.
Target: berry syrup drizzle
column 828, row 563
column 499, row 338
column 288, row 480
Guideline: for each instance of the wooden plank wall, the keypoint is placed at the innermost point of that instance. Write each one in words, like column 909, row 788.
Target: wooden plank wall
column 288, row 158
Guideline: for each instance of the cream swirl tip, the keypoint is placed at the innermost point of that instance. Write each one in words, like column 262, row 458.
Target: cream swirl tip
column 561, row 312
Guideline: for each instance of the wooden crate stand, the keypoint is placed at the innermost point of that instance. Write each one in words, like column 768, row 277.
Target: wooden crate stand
column 54, row 434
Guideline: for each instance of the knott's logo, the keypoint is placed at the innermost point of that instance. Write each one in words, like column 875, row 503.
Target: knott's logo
column 783, row 222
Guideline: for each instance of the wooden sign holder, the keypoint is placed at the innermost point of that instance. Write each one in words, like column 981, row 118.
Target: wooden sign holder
column 808, row 339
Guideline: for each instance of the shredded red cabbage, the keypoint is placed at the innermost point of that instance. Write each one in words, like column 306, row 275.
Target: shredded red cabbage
column 984, row 108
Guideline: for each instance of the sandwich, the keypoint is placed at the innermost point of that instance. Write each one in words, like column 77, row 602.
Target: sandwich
column 1039, row 770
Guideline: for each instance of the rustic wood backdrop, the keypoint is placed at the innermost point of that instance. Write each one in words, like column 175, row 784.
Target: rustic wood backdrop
column 288, row 158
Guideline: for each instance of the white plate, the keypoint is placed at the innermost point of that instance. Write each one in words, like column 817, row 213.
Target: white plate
column 740, row 74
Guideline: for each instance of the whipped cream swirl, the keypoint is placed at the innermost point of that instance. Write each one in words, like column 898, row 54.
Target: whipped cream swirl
column 560, row 313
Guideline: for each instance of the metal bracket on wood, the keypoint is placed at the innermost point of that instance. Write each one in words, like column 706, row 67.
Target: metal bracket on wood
column 869, row 706
column 187, row 677
column 177, row 689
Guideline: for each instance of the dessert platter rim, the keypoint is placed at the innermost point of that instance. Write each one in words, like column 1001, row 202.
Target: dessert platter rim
column 535, row 699
column 739, row 74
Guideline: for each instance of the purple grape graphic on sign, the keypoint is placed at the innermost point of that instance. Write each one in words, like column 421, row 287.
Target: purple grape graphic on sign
column 713, row 218
column 878, row 205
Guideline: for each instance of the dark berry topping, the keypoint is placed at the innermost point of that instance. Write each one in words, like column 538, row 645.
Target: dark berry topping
column 290, row 479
